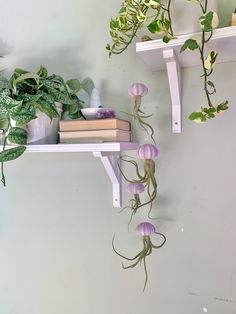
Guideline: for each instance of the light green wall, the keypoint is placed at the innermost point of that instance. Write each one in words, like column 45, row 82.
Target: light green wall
column 56, row 214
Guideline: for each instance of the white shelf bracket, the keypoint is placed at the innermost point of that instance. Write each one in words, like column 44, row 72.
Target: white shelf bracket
column 174, row 77
column 109, row 161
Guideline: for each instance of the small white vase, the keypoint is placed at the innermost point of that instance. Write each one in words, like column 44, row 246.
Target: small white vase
column 185, row 15
column 43, row 130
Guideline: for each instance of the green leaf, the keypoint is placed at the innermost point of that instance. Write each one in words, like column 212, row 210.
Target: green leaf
column 209, row 21
column 9, row 105
column 167, row 38
column 211, row 84
column 11, row 153
column 4, row 123
column 3, row 82
column 29, row 75
column 88, row 85
column 42, row 72
column 47, row 108
column 74, row 85
column 190, row 44
column 197, row 117
column 222, row 107
column 155, row 27
column 24, row 116
column 17, row 135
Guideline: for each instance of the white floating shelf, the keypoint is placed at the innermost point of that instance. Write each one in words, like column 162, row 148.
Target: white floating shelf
column 108, row 153
column 223, row 41
column 82, row 148
column 158, row 55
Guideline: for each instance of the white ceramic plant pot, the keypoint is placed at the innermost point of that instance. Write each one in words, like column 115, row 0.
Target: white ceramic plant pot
column 43, row 130
column 185, row 15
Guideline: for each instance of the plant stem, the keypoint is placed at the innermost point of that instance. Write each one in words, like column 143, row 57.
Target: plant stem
column 201, row 50
column 169, row 17
column 2, row 164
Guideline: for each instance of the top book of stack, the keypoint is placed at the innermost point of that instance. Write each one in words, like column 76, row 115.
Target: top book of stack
column 98, row 124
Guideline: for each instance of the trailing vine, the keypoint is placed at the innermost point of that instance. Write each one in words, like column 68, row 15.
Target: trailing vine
column 208, row 22
column 135, row 14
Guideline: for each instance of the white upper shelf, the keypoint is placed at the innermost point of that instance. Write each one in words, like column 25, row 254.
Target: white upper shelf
column 223, row 41
column 83, row 148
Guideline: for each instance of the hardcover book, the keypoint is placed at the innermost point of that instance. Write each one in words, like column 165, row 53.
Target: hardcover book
column 95, row 136
column 98, row 124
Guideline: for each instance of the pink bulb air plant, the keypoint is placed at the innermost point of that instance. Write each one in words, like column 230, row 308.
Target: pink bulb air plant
column 135, row 203
column 139, row 90
column 146, row 152
column 144, row 229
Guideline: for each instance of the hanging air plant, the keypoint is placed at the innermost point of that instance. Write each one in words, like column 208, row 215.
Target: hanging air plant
column 147, row 153
column 145, row 230
column 137, row 91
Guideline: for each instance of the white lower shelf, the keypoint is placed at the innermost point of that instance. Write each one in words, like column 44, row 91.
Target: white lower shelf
column 108, row 153
column 82, row 148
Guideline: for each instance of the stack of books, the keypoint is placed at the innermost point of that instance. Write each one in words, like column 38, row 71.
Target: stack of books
column 94, row 131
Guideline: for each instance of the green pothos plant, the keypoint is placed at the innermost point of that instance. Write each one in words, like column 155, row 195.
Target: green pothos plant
column 20, row 98
column 155, row 15
column 208, row 22
column 134, row 15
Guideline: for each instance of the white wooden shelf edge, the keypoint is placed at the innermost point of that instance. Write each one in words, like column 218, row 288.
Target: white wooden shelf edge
column 108, row 153
column 82, row 148
column 158, row 56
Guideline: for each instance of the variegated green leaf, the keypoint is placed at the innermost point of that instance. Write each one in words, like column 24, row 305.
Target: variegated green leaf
column 29, row 99
column 47, row 108
column 3, row 82
column 11, row 153
column 42, row 72
column 17, row 135
column 9, row 105
column 24, row 116
column 45, row 96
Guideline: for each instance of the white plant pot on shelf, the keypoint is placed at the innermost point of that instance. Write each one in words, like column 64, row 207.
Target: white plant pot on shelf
column 43, row 130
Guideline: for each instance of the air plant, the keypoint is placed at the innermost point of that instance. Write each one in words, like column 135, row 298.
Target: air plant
column 144, row 229
column 146, row 152
column 135, row 203
column 137, row 91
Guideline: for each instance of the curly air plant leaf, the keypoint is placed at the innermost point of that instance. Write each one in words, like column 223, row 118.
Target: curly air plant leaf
column 135, row 203
column 146, row 152
column 137, row 91
column 208, row 22
column 135, row 14
column 144, row 229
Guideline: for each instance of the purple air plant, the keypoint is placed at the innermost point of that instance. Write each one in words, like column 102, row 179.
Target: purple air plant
column 146, row 152
column 145, row 230
column 137, row 91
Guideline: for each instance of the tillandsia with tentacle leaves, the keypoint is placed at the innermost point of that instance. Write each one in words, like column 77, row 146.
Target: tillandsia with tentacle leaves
column 144, row 229
column 135, row 203
column 208, row 22
column 137, row 91
column 146, row 152
column 135, row 14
